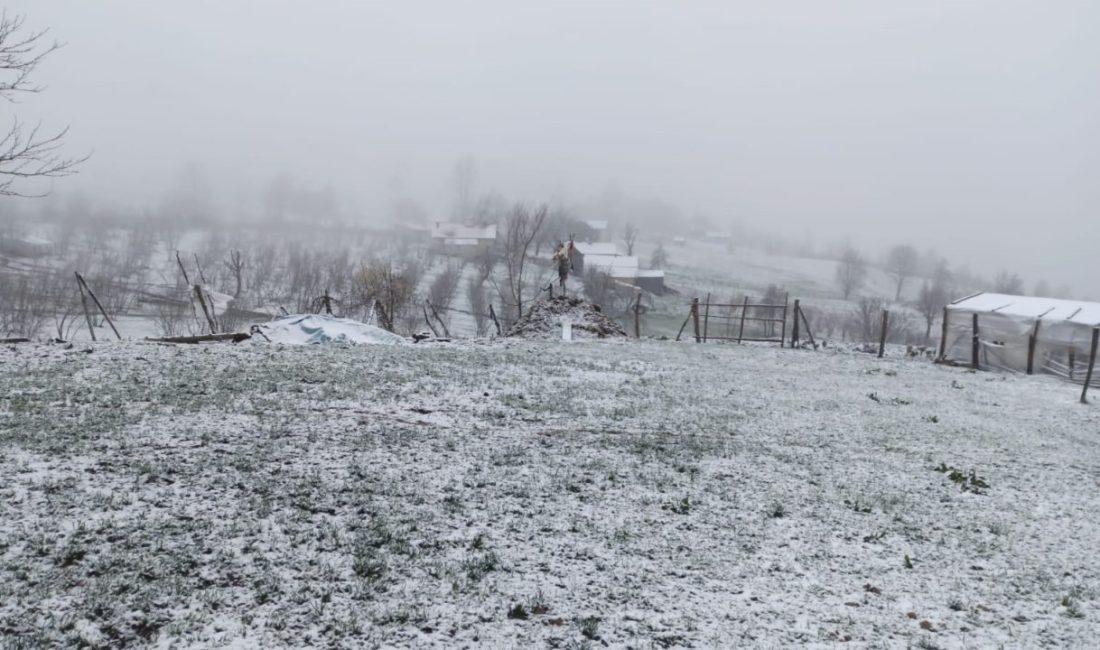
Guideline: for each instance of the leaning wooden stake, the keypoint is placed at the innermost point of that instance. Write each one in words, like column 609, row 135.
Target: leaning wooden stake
column 943, row 337
column 1092, row 364
column 87, row 314
column 809, row 332
column 744, row 309
column 882, row 335
column 206, row 312
column 493, row 315
column 103, row 311
column 446, row 332
column 684, row 326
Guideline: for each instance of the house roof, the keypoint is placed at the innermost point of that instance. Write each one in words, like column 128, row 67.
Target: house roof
column 448, row 230
column 599, row 248
column 1030, row 307
column 617, row 266
column 596, row 224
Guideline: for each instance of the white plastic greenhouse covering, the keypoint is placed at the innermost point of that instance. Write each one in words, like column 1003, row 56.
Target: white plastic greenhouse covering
column 1062, row 331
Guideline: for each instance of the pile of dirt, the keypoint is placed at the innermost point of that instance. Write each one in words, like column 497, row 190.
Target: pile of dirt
column 544, row 321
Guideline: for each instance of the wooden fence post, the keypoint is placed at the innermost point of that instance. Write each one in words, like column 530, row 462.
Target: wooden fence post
column 943, row 336
column 1032, row 341
column 882, row 335
column 794, row 328
column 706, row 317
column 809, row 331
column 638, row 316
column 1072, row 363
column 695, row 318
column 1092, row 364
column 975, row 345
column 744, row 308
column 783, row 333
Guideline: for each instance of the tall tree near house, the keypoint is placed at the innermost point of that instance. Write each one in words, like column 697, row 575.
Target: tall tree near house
column 26, row 152
column 235, row 265
column 851, row 272
column 521, row 228
column 630, row 237
column 902, row 262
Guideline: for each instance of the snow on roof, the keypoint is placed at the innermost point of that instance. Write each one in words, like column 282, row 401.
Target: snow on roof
column 598, row 248
column 596, row 224
column 448, row 230
column 617, row 266
column 651, row 274
column 456, row 241
column 1030, row 307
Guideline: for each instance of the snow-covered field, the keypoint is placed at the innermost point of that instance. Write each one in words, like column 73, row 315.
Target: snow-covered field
column 525, row 494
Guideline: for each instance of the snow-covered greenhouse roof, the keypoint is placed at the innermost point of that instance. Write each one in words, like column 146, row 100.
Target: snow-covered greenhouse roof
column 1030, row 307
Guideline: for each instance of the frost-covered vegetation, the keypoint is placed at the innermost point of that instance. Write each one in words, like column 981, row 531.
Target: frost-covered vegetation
column 525, row 494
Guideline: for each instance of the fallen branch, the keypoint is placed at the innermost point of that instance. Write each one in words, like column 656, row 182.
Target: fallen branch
column 15, row 340
column 235, row 337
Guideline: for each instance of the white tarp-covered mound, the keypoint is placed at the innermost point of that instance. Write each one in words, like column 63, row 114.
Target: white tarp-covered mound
column 307, row 329
column 1006, row 324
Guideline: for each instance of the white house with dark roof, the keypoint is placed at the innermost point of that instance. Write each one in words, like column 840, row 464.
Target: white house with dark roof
column 462, row 239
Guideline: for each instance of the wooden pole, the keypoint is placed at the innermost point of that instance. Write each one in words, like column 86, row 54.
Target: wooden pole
column 794, row 327
column 103, row 311
column 706, row 317
column 638, row 316
column 783, row 333
column 1072, row 363
column 943, row 336
column 1032, row 341
column 882, row 334
column 695, row 318
column 744, row 309
column 87, row 314
column 975, row 345
column 1092, row 364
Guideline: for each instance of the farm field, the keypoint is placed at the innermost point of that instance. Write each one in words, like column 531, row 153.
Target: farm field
column 527, row 494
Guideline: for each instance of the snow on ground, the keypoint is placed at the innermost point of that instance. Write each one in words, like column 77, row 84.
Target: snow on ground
column 307, row 329
column 527, row 494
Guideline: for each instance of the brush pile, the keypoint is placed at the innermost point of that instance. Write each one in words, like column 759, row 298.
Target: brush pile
column 544, row 321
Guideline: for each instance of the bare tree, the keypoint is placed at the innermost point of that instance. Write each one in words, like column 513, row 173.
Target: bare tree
column 851, row 272
column 442, row 289
column 382, row 284
column 235, row 265
column 659, row 259
column 630, row 237
column 520, row 230
column 902, row 262
column 1009, row 283
column 26, row 152
column 930, row 302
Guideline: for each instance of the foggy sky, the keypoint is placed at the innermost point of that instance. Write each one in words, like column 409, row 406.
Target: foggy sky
column 973, row 127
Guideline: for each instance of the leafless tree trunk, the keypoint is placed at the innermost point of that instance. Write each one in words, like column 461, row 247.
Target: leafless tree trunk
column 851, row 272
column 630, row 237
column 235, row 265
column 520, row 231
